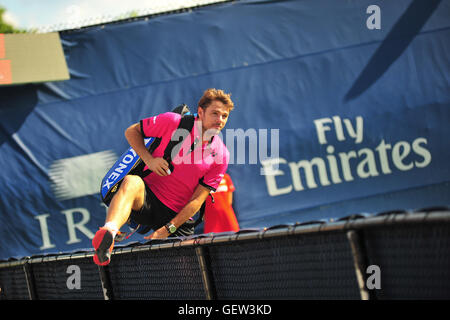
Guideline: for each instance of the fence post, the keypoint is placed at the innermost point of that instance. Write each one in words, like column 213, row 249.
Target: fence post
column 360, row 263
column 27, row 269
column 206, row 275
column 106, row 283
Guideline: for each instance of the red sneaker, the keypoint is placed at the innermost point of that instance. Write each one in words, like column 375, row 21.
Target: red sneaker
column 103, row 244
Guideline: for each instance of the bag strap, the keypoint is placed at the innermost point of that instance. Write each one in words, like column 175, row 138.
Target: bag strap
column 201, row 214
column 186, row 124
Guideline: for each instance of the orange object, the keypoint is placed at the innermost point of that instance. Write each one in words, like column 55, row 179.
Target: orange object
column 5, row 72
column 2, row 46
column 220, row 216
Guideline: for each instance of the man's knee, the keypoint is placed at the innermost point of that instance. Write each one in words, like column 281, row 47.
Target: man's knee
column 132, row 184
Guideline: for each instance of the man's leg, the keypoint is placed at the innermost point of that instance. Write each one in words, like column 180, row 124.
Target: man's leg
column 130, row 196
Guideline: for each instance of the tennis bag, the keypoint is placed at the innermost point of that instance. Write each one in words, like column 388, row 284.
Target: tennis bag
column 130, row 163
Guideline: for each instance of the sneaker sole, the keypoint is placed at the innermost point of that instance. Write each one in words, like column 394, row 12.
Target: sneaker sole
column 102, row 244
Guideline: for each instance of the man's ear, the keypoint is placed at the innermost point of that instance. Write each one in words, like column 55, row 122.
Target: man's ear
column 200, row 112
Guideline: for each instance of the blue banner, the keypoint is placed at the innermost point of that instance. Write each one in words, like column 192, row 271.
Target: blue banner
column 341, row 107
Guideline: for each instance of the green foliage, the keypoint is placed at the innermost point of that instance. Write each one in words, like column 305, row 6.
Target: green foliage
column 5, row 27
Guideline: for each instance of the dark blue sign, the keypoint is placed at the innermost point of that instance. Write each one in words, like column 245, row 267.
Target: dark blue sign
column 341, row 107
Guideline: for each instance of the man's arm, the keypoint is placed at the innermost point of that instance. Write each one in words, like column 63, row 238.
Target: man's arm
column 190, row 209
column 134, row 137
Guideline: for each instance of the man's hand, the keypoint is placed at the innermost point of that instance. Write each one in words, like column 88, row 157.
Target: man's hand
column 159, row 166
column 134, row 138
column 197, row 199
column 161, row 233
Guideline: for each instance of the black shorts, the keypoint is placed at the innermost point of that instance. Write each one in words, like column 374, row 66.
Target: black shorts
column 154, row 214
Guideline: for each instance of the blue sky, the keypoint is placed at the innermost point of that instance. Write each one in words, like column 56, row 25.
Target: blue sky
column 29, row 14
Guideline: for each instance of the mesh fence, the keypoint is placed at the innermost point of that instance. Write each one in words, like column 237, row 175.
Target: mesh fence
column 157, row 274
column 51, row 280
column 13, row 284
column 71, row 19
column 414, row 260
column 301, row 267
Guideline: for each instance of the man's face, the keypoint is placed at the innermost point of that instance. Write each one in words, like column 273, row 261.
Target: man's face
column 214, row 117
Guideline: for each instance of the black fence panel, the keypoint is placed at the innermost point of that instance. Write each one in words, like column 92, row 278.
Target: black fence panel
column 54, row 280
column 414, row 260
column 13, row 283
column 157, row 274
column 388, row 256
column 308, row 266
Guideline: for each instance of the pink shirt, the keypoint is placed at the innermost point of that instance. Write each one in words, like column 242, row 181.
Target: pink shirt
column 205, row 165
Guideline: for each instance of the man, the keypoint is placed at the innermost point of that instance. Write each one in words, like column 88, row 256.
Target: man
column 165, row 200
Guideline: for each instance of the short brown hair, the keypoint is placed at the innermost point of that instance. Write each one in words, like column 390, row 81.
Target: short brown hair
column 212, row 94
